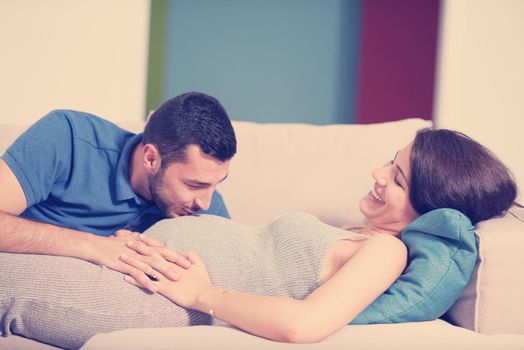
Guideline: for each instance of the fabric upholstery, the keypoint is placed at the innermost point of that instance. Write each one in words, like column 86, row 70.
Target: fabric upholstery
column 322, row 170
column 492, row 302
column 431, row 335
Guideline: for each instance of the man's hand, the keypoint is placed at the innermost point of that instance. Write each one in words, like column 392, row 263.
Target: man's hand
column 189, row 286
column 152, row 257
column 108, row 250
column 126, row 233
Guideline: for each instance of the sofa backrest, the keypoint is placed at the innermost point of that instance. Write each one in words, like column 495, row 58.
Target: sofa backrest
column 323, row 170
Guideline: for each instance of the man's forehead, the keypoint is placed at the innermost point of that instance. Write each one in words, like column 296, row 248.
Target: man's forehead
column 195, row 153
column 199, row 171
column 200, row 181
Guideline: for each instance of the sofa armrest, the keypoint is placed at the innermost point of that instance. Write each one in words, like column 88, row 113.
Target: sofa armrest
column 492, row 303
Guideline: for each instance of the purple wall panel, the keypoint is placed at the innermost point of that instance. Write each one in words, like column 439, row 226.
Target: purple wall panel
column 397, row 59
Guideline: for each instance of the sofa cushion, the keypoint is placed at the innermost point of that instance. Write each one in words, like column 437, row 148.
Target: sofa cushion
column 492, row 302
column 432, row 335
column 442, row 253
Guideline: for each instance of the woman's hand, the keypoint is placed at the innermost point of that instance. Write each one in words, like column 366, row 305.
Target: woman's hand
column 185, row 290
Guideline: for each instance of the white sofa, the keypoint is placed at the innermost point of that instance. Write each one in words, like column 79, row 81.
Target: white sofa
column 325, row 170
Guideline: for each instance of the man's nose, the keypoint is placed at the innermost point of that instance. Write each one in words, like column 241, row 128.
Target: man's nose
column 204, row 201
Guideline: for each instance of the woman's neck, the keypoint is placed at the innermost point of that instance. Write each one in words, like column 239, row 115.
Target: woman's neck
column 372, row 230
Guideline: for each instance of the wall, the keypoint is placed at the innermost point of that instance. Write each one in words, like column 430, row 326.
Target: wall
column 397, row 60
column 331, row 61
column 266, row 60
column 480, row 90
column 86, row 55
column 269, row 60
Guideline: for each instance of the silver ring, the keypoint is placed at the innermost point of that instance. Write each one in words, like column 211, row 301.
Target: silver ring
column 152, row 276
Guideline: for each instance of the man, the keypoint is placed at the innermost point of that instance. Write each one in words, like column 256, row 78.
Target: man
column 72, row 180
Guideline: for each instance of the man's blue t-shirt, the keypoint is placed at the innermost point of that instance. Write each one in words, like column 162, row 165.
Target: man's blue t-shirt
column 73, row 169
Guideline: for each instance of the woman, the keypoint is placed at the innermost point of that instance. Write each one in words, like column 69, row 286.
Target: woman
column 266, row 280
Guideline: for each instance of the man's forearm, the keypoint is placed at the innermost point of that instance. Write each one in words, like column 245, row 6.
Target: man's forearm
column 19, row 235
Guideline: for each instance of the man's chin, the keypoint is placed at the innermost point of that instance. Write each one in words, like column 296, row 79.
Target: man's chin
column 180, row 212
column 186, row 212
column 171, row 214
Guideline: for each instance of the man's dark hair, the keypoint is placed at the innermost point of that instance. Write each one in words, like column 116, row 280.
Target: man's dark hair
column 450, row 170
column 192, row 118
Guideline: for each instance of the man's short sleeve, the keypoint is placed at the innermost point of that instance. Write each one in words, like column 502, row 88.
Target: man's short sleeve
column 41, row 157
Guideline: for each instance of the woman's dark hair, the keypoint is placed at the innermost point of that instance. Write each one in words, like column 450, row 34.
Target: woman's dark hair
column 451, row 170
column 192, row 118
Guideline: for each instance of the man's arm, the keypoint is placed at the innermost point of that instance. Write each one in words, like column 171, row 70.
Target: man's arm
column 19, row 235
column 13, row 199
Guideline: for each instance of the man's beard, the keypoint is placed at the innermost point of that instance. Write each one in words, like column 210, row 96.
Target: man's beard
column 155, row 188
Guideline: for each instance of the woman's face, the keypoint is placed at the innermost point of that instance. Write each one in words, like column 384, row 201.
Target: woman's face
column 387, row 205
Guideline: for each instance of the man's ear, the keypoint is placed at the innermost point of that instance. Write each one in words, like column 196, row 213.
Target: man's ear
column 152, row 160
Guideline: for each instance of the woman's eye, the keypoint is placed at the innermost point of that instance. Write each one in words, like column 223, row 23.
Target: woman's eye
column 398, row 182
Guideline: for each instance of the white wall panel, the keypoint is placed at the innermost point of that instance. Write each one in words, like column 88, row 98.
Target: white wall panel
column 89, row 55
column 481, row 76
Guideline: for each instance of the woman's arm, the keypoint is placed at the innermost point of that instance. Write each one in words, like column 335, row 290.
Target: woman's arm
column 330, row 307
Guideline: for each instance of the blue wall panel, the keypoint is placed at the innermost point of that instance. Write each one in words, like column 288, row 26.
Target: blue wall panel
column 266, row 60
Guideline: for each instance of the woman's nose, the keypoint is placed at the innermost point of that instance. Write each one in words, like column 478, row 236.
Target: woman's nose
column 381, row 181
column 380, row 176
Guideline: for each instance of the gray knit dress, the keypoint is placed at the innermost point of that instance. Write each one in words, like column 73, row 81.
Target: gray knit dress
column 65, row 301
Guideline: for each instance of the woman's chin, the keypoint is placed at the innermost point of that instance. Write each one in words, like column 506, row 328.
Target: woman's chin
column 362, row 206
column 367, row 208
